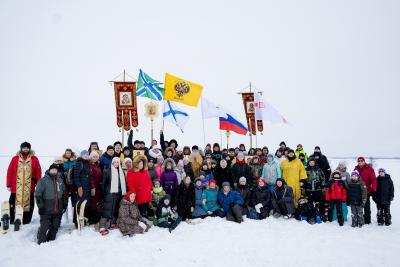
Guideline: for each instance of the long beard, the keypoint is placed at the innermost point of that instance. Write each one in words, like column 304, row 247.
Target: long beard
column 291, row 158
column 25, row 153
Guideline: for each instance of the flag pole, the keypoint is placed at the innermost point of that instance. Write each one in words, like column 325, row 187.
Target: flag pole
column 202, row 118
column 250, row 130
column 122, row 128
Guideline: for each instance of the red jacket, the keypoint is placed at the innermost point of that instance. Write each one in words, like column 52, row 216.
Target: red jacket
column 140, row 183
column 367, row 174
column 13, row 169
column 336, row 190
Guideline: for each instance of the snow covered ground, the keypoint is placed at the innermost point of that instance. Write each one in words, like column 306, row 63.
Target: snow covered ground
column 214, row 242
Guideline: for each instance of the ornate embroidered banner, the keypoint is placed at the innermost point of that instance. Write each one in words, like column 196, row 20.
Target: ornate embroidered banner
column 126, row 105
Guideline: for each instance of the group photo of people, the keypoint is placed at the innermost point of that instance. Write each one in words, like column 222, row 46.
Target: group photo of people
column 136, row 187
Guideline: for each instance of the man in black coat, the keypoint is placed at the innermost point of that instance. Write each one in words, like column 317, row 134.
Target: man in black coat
column 185, row 199
column 322, row 163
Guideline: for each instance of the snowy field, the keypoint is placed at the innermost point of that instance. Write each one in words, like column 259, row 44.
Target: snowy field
column 214, row 242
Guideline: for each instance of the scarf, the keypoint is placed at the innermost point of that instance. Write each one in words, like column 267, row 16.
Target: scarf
column 24, row 180
column 117, row 177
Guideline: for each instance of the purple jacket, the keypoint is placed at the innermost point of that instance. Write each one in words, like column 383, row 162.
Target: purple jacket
column 169, row 181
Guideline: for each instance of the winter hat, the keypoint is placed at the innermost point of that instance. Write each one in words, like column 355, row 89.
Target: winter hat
column 290, row 151
column 117, row 143
column 317, row 147
column 280, row 179
column 261, row 180
column 242, row 179
column 68, row 149
column 58, row 159
column 240, row 155
column 355, row 173
column 25, row 144
column 212, row 182
column 126, row 160
column 382, row 170
column 179, row 149
column 84, row 153
column 110, row 147
column 282, row 143
column 156, row 147
column 361, row 159
column 270, row 156
column 137, row 142
column 128, row 195
column 53, row 166
column 311, row 159
column 195, row 148
column 226, row 184
column 336, row 172
column 115, row 159
column 156, row 181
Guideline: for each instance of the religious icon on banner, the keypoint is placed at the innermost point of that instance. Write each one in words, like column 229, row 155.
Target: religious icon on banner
column 126, row 105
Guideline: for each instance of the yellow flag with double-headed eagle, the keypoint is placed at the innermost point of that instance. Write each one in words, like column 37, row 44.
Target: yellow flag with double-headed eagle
column 182, row 91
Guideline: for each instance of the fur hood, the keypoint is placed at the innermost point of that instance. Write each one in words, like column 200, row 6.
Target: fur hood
column 170, row 149
column 171, row 161
column 31, row 153
column 73, row 157
column 136, row 160
column 154, row 154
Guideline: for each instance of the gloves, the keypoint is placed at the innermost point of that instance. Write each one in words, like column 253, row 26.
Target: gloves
column 93, row 192
column 258, row 207
column 142, row 225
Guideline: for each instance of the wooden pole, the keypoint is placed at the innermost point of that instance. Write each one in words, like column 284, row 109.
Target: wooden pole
column 250, row 130
column 122, row 128
column 152, row 131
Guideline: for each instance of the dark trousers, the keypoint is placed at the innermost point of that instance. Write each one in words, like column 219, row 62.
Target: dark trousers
column 171, row 225
column 218, row 213
column 145, row 210
column 281, row 208
column 338, row 204
column 48, row 228
column 235, row 214
column 27, row 216
column 317, row 199
column 384, row 214
column 367, row 210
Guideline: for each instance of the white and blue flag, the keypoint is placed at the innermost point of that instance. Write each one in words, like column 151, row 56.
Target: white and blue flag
column 174, row 115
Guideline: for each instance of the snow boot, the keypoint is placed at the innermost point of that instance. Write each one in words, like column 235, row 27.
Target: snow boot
column 380, row 217
column 388, row 219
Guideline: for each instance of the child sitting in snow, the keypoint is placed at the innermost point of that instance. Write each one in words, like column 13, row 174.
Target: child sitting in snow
column 158, row 192
column 306, row 211
column 198, row 212
column 210, row 200
column 165, row 215
column 130, row 221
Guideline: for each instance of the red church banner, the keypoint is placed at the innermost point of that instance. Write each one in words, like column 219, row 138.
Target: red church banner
column 126, row 105
column 249, row 109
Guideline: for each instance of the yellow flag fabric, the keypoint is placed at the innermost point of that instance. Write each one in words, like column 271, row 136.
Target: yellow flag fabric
column 182, row 91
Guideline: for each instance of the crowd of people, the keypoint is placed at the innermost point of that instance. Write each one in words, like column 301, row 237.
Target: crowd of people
column 134, row 188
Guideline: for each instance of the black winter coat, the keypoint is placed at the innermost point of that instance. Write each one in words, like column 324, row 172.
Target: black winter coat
column 223, row 175
column 356, row 193
column 189, row 170
column 323, row 164
column 111, row 201
column 261, row 195
column 185, row 198
column 384, row 191
column 239, row 170
column 245, row 193
column 81, row 177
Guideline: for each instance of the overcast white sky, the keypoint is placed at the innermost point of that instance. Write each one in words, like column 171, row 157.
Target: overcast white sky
column 330, row 67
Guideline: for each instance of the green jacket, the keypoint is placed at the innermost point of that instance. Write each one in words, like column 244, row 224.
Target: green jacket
column 50, row 195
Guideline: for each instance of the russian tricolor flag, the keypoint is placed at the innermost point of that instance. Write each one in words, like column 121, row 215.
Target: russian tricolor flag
column 231, row 124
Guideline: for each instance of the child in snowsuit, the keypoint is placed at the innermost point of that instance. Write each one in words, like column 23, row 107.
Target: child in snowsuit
column 158, row 193
column 210, row 200
column 306, row 211
column 165, row 215
column 52, row 202
column 383, row 196
column 356, row 199
column 336, row 194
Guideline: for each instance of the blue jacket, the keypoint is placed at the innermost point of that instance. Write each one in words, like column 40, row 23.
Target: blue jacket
column 229, row 200
column 105, row 161
column 198, row 207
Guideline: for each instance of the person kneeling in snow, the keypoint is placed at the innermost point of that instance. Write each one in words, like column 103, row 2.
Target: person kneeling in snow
column 260, row 201
column 51, row 201
column 307, row 212
column 130, row 221
column 165, row 216
column 231, row 203
column 282, row 200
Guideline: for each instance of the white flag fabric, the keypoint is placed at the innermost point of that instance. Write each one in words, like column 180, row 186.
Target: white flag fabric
column 265, row 111
column 211, row 110
column 173, row 114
